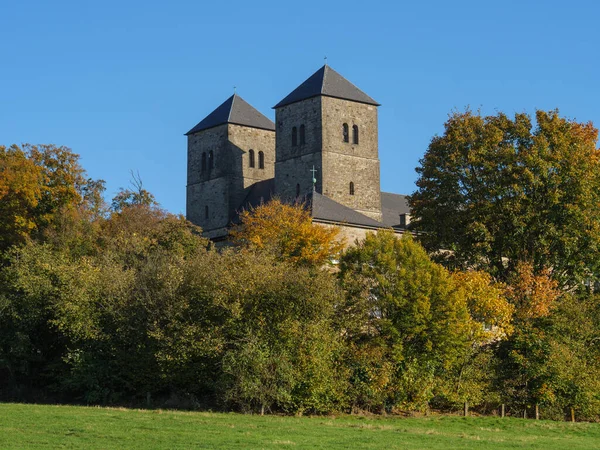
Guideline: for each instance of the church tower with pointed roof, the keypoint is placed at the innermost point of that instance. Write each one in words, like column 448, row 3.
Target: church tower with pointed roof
column 326, row 129
column 331, row 125
column 230, row 152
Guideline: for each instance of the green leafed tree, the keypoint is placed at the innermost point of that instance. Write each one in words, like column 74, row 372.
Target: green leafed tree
column 494, row 191
column 406, row 320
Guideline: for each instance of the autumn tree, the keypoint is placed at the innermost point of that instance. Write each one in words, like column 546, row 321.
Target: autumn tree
column 44, row 191
column 471, row 379
column 287, row 232
column 488, row 305
column 414, row 330
column 494, row 191
column 20, row 193
column 533, row 295
column 526, row 358
column 403, row 321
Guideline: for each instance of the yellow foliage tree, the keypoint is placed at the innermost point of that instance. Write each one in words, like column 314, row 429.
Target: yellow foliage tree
column 287, row 232
column 20, row 193
column 487, row 303
column 43, row 188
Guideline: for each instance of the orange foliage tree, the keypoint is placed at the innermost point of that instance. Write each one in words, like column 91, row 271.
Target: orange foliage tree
column 287, row 232
column 533, row 294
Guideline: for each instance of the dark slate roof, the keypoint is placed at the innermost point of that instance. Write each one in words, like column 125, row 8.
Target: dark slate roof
column 237, row 111
column 260, row 192
column 319, row 206
column 392, row 205
column 328, row 82
column 324, row 208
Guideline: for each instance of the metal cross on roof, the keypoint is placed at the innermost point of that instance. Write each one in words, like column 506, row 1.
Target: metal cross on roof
column 314, row 179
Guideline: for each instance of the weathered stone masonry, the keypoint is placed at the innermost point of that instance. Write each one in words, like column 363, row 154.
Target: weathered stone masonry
column 326, row 123
column 215, row 192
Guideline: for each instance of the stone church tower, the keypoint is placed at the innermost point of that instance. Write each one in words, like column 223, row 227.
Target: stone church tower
column 330, row 124
column 238, row 158
column 229, row 152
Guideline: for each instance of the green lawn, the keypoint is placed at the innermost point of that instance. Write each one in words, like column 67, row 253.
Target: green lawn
column 34, row 426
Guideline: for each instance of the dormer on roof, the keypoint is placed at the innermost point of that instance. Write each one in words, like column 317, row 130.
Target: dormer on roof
column 237, row 111
column 329, row 83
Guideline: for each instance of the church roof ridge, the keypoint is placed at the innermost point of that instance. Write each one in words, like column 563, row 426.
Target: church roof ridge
column 327, row 82
column 237, row 111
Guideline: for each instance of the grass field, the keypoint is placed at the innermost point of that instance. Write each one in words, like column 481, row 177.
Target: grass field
column 35, row 426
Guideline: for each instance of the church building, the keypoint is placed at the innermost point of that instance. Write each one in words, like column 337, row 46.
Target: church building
column 322, row 151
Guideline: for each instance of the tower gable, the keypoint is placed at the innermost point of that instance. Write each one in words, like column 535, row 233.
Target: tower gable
column 220, row 169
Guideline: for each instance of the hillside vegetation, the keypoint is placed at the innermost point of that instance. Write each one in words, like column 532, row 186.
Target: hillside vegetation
column 126, row 304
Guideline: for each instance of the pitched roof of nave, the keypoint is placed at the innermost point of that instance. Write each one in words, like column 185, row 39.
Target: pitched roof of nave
column 329, row 83
column 237, row 111
column 392, row 205
column 326, row 209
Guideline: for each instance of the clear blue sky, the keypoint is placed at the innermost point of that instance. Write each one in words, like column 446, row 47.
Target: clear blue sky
column 120, row 82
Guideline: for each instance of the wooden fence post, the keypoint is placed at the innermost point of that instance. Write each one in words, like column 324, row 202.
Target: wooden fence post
column 537, row 412
column 466, row 410
column 502, row 410
column 572, row 415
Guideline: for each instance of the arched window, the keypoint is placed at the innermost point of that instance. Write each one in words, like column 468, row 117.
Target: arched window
column 203, row 162
column 261, row 160
column 298, row 190
column 302, row 135
column 251, row 157
column 355, row 134
column 294, row 137
column 345, row 132
column 351, row 188
column 211, row 160
column 206, row 212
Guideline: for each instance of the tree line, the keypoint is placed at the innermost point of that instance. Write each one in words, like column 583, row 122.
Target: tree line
column 490, row 303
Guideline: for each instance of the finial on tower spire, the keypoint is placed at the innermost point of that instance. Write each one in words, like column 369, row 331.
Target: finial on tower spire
column 234, row 90
column 325, row 60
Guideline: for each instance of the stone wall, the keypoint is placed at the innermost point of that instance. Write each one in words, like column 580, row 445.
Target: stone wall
column 350, row 235
column 337, row 162
column 241, row 141
column 214, row 139
column 346, row 162
column 294, row 163
column 213, row 194
column 224, row 187
column 208, row 188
